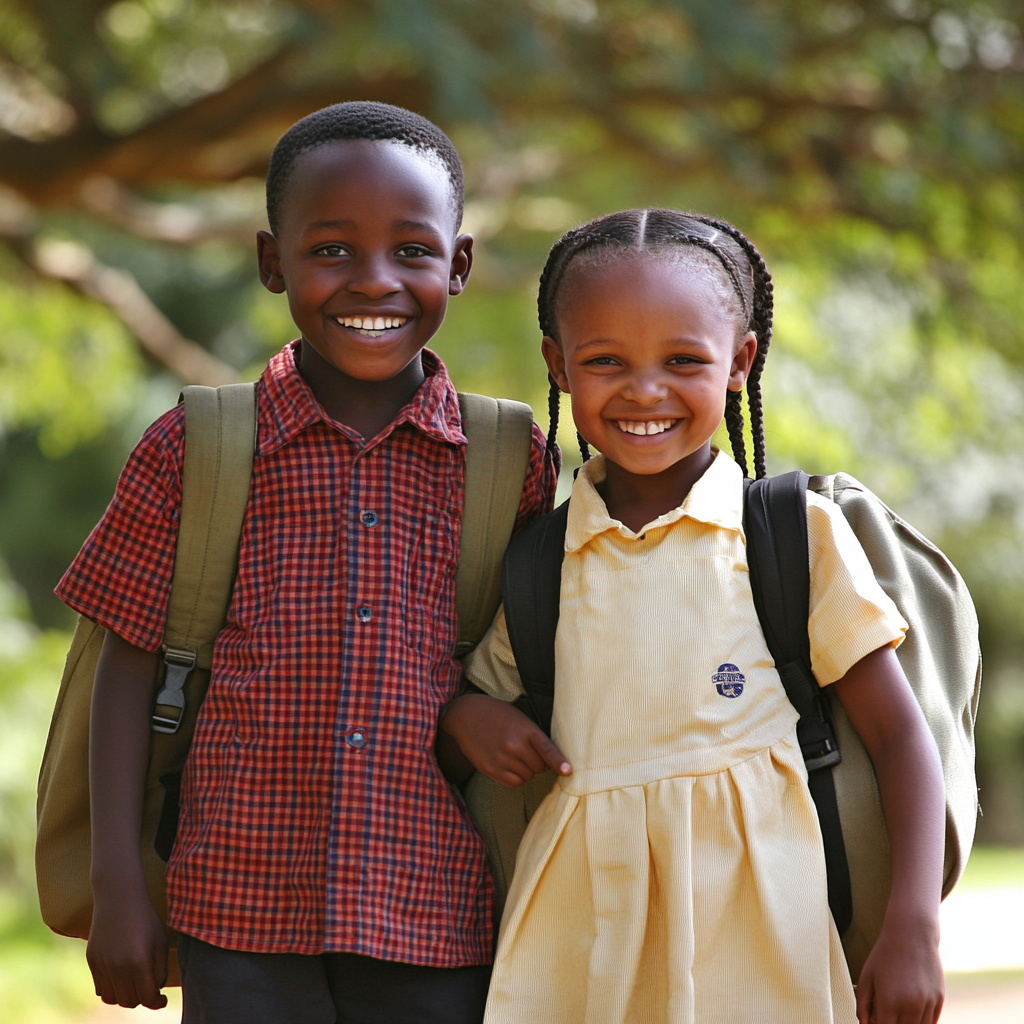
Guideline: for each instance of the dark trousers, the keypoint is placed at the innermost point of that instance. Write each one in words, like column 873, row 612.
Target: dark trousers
column 228, row 986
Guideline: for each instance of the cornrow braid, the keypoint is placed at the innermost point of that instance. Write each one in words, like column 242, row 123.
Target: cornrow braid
column 761, row 323
column 659, row 229
column 734, row 424
column 554, row 404
column 584, row 447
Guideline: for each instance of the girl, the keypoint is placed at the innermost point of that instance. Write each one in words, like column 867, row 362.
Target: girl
column 675, row 874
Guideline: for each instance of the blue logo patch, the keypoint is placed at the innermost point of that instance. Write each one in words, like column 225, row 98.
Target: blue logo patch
column 729, row 680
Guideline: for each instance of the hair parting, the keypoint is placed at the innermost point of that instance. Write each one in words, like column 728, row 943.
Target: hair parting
column 654, row 230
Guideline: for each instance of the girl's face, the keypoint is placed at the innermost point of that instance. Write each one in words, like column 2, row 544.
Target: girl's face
column 647, row 353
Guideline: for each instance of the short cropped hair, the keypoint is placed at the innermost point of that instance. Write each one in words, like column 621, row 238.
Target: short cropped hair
column 378, row 122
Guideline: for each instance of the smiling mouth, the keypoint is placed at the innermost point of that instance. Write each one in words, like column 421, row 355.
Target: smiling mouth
column 645, row 427
column 372, row 326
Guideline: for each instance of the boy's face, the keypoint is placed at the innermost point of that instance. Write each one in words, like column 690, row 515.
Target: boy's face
column 366, row 236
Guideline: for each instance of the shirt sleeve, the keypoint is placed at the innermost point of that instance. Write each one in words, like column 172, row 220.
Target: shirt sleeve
column 540, row 483
column 850, row 614
column 122, row 576
column 491, row 666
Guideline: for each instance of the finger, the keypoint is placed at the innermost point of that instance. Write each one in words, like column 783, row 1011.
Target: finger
column 99, row 979
column 930, row 1014
column 511, row 775
column 553, row 757
column 154, row 1000
column 149, row 993
column 527, row 756
column 125, row 991
column 865, row 990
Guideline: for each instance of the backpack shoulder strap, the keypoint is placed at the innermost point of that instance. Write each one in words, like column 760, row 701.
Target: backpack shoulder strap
column 220, row 435
column 499, row 434
column 775, row 524
column 531, row 583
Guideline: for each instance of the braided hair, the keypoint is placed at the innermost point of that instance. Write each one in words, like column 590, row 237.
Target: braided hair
column 718, row 246
column 361, row 119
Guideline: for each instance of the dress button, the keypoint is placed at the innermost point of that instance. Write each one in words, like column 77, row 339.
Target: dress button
column 369, row 519
column 356, row 738
column 364, row 613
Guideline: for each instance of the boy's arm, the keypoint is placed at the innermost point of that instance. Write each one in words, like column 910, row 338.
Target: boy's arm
column 902, row 979
column 127, row 949
column 494, row 737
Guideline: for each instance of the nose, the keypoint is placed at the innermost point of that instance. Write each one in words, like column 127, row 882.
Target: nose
column 374, row 276
column 645, row 387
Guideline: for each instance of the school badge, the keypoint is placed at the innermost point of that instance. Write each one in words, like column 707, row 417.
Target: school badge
column 729, row 680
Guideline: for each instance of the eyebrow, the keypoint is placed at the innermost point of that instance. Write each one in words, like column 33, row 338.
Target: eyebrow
column 596, row 342
column 318, row 224
column 399, row 225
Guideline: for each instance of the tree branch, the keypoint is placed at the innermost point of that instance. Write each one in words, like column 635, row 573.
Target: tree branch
column 75, row 265
column 221, row 137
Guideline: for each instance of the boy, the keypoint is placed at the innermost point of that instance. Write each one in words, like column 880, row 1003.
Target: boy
column 323, row 871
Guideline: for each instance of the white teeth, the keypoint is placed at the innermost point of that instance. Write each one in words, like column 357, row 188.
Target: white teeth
column 644, row 428
column 369, row 323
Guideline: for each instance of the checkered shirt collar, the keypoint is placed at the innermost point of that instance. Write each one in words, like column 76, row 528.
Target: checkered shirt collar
column 288, row 405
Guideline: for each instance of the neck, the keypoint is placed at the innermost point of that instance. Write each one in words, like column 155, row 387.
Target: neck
column 366, row 406
column 638, row 499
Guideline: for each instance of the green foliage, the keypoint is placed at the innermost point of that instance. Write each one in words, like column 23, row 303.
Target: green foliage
column 67, row 365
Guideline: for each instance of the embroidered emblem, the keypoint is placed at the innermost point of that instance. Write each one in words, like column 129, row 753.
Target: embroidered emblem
column 729, row 680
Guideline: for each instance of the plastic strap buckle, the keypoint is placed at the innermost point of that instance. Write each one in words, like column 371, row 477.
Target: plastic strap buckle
column 825, row 753
column 178, row 665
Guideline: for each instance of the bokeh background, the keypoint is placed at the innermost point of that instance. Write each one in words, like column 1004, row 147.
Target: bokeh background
column 874, row 150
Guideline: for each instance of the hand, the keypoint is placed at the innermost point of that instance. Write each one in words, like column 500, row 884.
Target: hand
column 499, row 740
column 902, row 980
column 127, row 951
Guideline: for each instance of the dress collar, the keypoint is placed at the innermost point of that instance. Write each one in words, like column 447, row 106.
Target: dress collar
column 716, row 499
column 288, row 405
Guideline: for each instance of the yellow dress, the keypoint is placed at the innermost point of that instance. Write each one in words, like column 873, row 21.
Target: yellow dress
column 677, row 876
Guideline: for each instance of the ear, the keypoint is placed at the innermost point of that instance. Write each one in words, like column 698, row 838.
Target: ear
column 555, row 358
column 742, row 361
column 462, row 264
column 268, row 257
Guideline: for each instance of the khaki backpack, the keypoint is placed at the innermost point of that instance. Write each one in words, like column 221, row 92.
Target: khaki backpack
column 220, row 432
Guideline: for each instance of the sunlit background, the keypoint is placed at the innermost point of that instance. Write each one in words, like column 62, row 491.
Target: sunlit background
column 873, row 150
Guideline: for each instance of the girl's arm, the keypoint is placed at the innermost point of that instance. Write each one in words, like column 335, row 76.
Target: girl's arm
column 127, row 949
column 902, row 979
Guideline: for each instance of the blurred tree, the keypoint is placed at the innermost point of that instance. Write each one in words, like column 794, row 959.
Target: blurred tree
column 874, row 150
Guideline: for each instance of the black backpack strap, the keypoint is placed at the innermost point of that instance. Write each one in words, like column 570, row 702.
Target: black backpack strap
column 775, row 523
column 531, row 583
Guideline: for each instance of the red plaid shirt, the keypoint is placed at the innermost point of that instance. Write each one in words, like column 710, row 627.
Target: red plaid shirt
column 314, row 816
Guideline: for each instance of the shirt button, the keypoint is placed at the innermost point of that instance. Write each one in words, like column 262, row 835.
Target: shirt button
column 369, row 519
column 356, row 738
column 364, row 613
